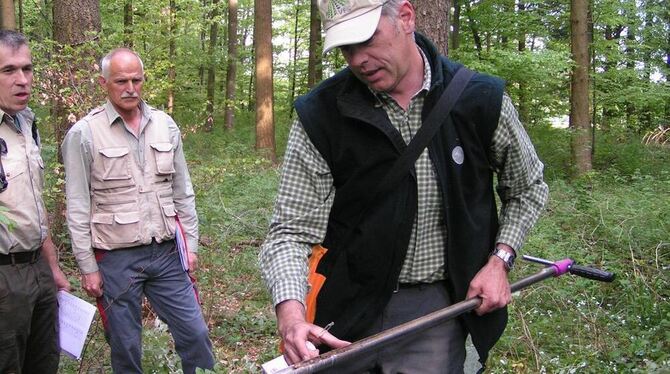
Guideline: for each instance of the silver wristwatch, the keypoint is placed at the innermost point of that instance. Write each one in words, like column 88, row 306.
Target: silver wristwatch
column 507, row 257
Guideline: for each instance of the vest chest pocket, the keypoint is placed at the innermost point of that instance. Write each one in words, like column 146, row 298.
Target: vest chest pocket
column 116, row 164
column 164, row 156
column 116, row 228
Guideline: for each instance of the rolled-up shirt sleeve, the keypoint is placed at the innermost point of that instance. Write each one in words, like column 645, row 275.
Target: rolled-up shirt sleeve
column 521, row 187
column 77, row 159
column 300, row 218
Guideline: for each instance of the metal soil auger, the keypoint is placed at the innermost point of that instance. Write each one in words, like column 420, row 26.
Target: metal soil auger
column 375, row 342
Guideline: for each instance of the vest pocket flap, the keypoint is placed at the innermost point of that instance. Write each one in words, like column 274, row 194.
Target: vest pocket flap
column 169, row 210
column 114, row 152
column 162, row 147
column 126, row 218
column 104, row 218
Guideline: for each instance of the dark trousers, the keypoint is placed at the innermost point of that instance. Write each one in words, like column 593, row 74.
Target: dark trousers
column 28, row 319
column 440, row 349
column 155, row 271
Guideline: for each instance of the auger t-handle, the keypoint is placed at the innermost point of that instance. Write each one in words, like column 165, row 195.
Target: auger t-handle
column 568, row 266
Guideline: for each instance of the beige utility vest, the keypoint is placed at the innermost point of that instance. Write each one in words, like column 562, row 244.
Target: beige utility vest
column 131, row 198
column 24, row 170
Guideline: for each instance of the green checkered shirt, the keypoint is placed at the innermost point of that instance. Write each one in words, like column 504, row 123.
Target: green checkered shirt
column 306, row 195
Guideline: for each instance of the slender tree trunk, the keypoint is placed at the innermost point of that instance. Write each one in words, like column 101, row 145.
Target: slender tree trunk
column 456, row 25
column 294, row 63
column 7, row 14
column 211, row 65
column 473, row 28
column 315, row 62
column 523, row 90
column 432, row 20
column 20, row 16
column 203, row 38
column 128, row 23
column 579, row 97
column 265, row 131
column 76, row 22
column 172, row 54
column 231, row 73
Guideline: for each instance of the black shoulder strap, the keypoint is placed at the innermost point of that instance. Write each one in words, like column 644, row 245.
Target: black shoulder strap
column 36, row 136
column 422, row 138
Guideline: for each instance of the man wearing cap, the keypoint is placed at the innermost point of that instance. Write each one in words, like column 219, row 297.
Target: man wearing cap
column 29, row 272
column 435, row 238
column 126, row 183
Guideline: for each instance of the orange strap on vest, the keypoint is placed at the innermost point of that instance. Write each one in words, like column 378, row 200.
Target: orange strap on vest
column 315, row 281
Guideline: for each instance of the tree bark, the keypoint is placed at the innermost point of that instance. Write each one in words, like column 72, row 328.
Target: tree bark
column 172, row 54
column 7, row 15
column 456, row 25
column 294, row 62
column 432, row 20
column 265, row 132
column 523, row 90
column 579, row 96
column 473, row 28
column 231, row 72
column 76, row 24
column 211, row 65
column 128, row 24
column 315, row 61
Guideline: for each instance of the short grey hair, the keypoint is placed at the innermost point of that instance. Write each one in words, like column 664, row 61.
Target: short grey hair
column 391, row 7
column 12, row 39
column 107, row 60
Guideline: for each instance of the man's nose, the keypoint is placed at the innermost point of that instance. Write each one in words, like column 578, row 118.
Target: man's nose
column 356, row 56
column 21, row 78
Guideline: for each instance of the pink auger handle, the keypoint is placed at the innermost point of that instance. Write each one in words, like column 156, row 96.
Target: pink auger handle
column 568, row 266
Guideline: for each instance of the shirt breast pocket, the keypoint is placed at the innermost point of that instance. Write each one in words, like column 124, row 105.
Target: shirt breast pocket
column 116, row 165
column 164, row 156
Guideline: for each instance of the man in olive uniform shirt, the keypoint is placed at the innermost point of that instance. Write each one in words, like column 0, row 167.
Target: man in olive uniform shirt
column 29, row 272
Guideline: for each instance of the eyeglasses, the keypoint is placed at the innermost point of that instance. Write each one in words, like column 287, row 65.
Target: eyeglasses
column 3, row 178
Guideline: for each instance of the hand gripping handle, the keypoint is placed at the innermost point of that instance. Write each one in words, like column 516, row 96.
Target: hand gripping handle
column 591, row 273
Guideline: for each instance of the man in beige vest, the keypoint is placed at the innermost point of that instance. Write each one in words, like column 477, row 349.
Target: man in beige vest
column 29, row 272
column 128, row 189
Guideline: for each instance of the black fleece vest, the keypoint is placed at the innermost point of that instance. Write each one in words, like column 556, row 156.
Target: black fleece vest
column 367, row 249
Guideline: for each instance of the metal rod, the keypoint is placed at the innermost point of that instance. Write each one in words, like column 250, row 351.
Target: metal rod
column 375, row 342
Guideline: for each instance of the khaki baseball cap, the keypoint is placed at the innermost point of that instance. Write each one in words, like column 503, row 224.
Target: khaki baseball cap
column 349, row 21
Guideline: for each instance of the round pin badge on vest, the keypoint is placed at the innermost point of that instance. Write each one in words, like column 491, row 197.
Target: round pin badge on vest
column 457, row 155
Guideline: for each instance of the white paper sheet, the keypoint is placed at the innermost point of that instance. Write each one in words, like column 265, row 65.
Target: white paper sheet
column 74, row 320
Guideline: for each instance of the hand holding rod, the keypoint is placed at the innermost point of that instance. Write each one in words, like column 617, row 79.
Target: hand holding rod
column 384, row 338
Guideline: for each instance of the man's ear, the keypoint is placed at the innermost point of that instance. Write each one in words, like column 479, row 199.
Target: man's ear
column 102, row 81
column 407, row 17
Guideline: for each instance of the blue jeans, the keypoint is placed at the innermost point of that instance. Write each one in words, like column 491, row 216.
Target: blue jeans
column 155, row 271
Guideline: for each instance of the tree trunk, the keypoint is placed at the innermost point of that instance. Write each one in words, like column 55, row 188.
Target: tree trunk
column 265, row 132
column 172, row 54
column 7, row 14
column 211, row 65
column 473, row 28
column 231, row 72
column 76, row 25
column 128, row 24
column 523, row 90
column 456, row 25
column 579, row 96
column 432, row 20
column 21, row 16
column 315, row 62
column 294, row 63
